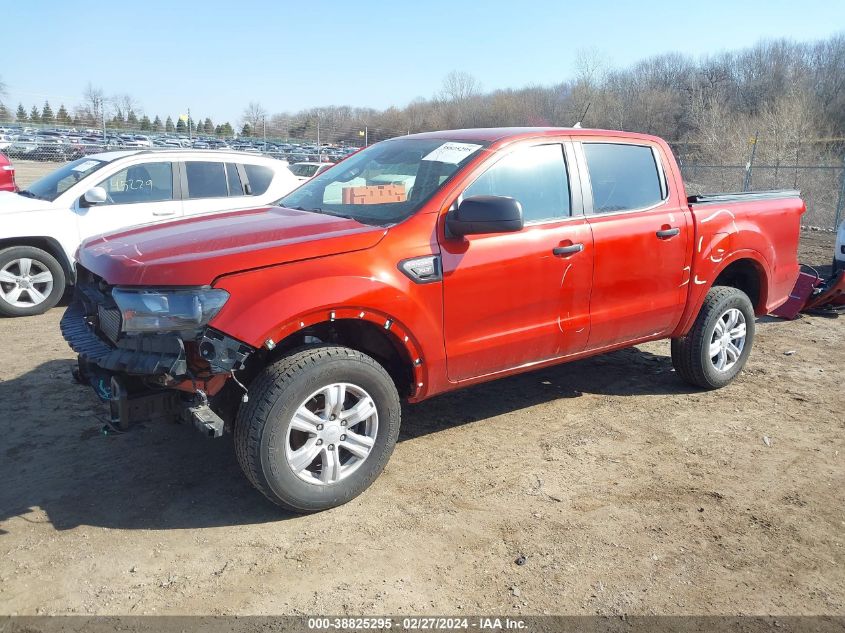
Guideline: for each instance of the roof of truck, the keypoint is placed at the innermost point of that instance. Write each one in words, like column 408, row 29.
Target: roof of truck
column 493, row 134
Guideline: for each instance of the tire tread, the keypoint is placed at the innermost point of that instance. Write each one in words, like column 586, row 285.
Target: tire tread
column 686, row 351
column 267, row 388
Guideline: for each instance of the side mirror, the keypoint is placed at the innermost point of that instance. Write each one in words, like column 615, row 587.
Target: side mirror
column 95, row 195
column 485, row 214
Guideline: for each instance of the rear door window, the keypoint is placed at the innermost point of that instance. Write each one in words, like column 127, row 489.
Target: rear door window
column 259, row 178
column 206, row 180
column 623, row 177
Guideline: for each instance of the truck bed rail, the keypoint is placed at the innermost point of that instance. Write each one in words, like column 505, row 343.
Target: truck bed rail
column 743, row 196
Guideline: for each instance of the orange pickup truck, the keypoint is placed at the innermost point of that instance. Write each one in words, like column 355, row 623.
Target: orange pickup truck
column 419, row 265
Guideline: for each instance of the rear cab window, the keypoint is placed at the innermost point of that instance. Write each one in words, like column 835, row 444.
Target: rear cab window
column 624, row 177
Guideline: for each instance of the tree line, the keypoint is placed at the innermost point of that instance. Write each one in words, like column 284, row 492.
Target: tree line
column 118, row 113
column 789, row 96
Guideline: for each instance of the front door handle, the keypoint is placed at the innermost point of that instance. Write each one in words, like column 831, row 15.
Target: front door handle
column 164, row 213
column 665, row 234
column 560, row 251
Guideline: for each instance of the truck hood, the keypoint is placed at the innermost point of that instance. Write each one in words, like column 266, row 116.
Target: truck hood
column 196, row 251
column 11, row 202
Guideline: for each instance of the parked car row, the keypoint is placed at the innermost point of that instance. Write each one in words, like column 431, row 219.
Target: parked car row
column 64, row 145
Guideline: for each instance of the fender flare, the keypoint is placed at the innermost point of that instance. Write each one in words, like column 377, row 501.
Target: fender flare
column 392, row 327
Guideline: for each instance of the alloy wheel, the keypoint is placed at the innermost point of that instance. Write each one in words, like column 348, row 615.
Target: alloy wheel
column 728, row 340
column 331, row 433
column 25, row 282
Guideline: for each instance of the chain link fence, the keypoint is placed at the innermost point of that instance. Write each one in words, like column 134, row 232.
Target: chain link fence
column 821, row 179
column 822, row 186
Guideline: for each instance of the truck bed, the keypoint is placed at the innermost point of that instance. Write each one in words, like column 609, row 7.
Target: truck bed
column 760, row 227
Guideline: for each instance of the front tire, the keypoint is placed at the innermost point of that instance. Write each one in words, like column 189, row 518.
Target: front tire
column 31, row 281
column 717, row 347
column 319, row 427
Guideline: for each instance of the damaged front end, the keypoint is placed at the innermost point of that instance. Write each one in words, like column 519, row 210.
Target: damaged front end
column 150, row 355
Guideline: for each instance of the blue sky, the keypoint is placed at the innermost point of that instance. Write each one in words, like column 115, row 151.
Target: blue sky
column 215, row 56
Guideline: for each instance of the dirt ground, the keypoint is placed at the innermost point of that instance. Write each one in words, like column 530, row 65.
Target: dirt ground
column 625, row 491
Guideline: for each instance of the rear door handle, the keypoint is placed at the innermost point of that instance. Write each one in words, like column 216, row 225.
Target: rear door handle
column 567, row 250
column 163, row 213
column 665, row 234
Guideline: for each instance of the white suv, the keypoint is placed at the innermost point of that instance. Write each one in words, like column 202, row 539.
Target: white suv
column 839, row 249
column 42, row 226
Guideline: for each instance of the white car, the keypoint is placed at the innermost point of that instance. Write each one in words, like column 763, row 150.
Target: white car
column 41, row 227
column 307, row 170
column 839, row 249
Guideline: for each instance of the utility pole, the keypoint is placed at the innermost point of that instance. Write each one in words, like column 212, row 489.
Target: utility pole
column 190, row 136
column 264, row 125
column 318, row 138
column 749, row 166
column 103, row 112
column 366, row 136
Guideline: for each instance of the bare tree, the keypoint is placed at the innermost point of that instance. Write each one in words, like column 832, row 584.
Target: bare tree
column 2, row 88
column 591, row 70
column 124, row 104
column 459, row 87
column 254, row 115
column 95, row 103
column 591, row 66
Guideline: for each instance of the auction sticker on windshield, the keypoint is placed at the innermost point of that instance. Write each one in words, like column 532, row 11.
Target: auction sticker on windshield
column 452, row 153
column 88, row 164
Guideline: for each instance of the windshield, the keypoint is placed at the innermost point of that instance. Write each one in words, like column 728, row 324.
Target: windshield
column 57, row 182
column 385, row 183
column 303, row 170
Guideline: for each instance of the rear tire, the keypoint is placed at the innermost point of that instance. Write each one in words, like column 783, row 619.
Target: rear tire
column 319, row 427
column 31, row 281
column 717, row 347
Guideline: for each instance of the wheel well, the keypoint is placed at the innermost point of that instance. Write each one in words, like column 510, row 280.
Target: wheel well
column 364, row 336
column 45, row 244
column 748, row 276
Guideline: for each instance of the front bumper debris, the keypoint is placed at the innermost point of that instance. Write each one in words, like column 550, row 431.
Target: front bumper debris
column 147, row 378
column 128, row 406
column 142, row 355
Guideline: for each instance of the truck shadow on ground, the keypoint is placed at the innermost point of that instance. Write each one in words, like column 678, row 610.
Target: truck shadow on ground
column 165, row 476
